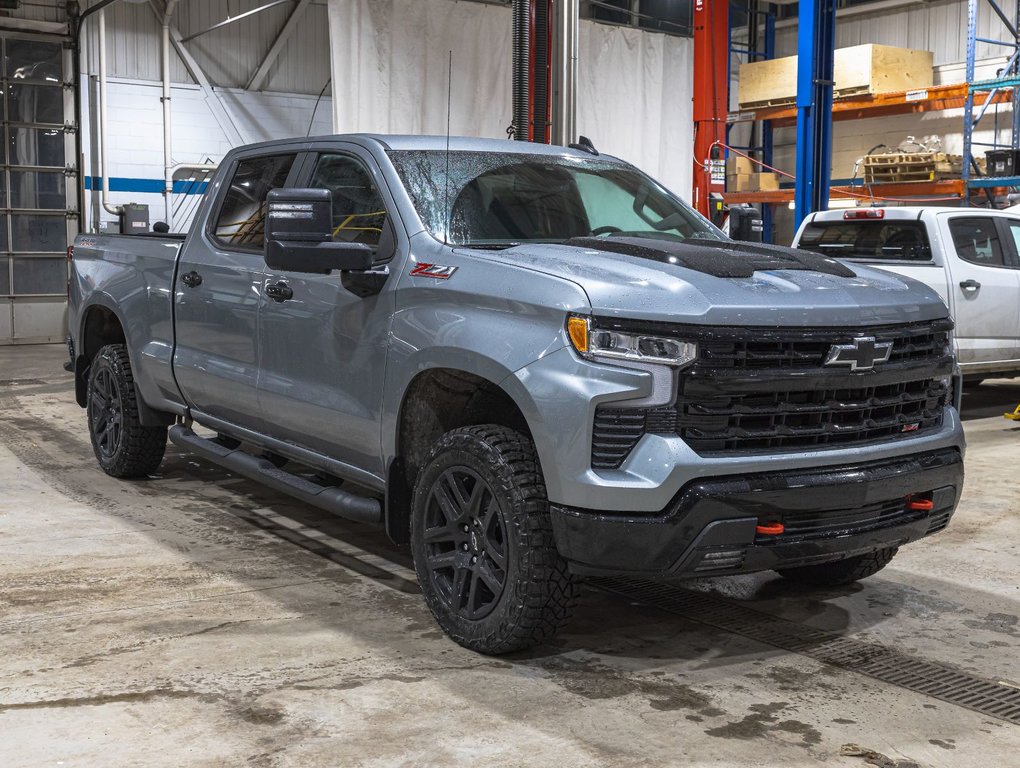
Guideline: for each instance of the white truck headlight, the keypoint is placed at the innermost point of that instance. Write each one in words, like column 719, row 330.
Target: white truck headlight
column 605, row 345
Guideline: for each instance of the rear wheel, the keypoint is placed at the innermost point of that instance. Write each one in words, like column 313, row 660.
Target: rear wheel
column 842, row 571
column 482, row 542
column 123, row 447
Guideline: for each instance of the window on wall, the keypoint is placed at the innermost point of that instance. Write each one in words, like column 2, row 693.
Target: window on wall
column 34, row 180
column 241, row 222
column 670, row 16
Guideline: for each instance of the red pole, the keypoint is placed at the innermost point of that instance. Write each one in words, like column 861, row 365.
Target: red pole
column 711, row 93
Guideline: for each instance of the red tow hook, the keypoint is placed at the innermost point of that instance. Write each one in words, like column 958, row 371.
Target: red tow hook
column 920, row 505
column 769, row 529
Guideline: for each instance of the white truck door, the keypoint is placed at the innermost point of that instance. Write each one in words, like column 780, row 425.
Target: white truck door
column 985, row 288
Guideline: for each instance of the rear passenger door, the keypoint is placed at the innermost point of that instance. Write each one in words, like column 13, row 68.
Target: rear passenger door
column 219, row 281
column 985, row 286
column 323, row 349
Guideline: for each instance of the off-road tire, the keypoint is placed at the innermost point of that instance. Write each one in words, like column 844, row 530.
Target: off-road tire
column 123, row 447
column 538, row 592
column 842, row 571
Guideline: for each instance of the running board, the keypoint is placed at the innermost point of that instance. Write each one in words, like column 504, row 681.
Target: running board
column 350, row 506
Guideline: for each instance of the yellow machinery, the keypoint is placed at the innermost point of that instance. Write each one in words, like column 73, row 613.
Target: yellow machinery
column 1015, row 416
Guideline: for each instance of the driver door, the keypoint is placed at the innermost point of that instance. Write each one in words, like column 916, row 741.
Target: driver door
column 323, row 349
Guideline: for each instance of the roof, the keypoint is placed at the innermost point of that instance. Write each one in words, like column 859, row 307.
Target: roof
column 435, row 143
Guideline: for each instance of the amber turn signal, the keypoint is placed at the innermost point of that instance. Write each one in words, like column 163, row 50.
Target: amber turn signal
column 577, row 328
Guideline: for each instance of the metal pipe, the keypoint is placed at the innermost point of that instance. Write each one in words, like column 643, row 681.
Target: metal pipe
column 103, row 167
column 521, row 61
column 235, row 19
column 564, row 106
column 168, row 175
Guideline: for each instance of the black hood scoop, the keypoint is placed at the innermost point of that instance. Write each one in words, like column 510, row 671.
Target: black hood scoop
column 719, row 258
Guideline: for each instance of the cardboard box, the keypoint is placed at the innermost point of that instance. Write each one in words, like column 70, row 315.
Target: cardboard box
column 752, row 182
column 862, row 70
column 768, row 182
column 740, row 165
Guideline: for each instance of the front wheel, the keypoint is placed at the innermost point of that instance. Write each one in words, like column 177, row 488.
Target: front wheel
column 483, row 545
column 842, row 571
column 123, row 447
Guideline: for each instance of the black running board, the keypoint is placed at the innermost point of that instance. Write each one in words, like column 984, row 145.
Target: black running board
column 361, row 509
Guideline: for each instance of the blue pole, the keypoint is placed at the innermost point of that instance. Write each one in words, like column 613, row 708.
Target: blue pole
column 815, row 50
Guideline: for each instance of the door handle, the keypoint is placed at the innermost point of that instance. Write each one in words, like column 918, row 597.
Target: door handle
column 970, row 285
column 279, row 292
column 192, row 279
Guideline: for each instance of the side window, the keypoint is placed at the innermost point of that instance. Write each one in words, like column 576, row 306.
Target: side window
column 977, row 241
column 1014, row 231
column 242, row 218
column 359, row 213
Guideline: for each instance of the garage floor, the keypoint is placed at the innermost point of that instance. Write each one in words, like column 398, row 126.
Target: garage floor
column 198, row 619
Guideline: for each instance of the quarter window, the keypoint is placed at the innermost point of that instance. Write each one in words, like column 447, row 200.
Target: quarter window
column 359, row 213
column 242, row 219
column 977, row 241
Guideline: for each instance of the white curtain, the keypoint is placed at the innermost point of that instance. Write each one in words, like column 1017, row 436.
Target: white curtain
column 391, row 69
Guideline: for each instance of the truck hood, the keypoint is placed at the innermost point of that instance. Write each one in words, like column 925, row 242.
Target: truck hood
column 809, row 291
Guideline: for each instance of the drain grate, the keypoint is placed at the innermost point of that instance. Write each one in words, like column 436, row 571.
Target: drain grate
column 999, row 700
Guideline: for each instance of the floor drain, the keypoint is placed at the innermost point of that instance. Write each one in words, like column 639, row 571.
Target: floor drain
column 995, row 699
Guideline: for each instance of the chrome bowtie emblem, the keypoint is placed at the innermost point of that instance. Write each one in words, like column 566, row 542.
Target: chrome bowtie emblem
column 863, row 355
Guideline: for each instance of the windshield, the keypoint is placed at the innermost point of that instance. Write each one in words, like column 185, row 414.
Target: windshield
column 868, row 240
column 500, row 199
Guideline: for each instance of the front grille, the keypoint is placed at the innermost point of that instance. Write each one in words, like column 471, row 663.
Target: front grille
column 785, row 419
column 768, row 390
column 785, row 348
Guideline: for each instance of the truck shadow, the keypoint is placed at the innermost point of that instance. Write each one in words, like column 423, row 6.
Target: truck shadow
column 990, row 399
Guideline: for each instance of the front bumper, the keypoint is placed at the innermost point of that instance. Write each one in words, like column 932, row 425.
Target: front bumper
column 709, row 528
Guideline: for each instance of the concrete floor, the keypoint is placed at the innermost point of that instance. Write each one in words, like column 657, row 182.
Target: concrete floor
column 197, row 619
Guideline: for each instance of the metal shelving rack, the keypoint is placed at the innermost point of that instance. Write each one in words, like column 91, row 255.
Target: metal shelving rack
column 759, row 49
column 1002, row 88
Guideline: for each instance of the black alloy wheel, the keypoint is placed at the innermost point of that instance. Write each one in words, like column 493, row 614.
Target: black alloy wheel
column 483, row 545
column 124, row 446
column 106, row 413
column 465, row 543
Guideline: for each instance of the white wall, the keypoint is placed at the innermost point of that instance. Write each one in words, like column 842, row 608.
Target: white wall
column 136, row 134
column 390, row 75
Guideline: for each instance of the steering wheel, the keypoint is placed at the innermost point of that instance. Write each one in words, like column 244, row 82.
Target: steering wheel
column 609, row 229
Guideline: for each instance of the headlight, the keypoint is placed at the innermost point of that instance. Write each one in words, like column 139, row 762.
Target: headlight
column 605, row 345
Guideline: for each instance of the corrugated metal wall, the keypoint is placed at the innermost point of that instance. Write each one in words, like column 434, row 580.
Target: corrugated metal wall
column 228, row 56
column 939, row 27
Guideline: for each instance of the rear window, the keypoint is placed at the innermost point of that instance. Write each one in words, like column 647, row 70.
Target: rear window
column 870, row 240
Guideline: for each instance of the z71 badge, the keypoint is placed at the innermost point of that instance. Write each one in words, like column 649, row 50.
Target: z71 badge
column 438, row 271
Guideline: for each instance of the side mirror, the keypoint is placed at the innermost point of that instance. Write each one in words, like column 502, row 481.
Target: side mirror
column 299, row 235
column 745, row 224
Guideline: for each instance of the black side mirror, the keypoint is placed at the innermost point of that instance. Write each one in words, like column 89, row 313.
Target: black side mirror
column 299, row 235
column 745, row 224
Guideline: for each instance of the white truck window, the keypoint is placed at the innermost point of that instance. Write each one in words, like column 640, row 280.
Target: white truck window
column 870, row 240
column 977, row 240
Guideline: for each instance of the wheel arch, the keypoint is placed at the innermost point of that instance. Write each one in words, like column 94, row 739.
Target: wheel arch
column 102, row 324
column 435, row 401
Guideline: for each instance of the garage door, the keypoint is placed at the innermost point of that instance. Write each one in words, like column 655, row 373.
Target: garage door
column 38, row 187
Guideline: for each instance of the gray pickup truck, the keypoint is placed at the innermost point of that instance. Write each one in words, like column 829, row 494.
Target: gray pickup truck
column 531, row 364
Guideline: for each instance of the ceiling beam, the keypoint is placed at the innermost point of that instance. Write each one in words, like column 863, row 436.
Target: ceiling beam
column 260, row 74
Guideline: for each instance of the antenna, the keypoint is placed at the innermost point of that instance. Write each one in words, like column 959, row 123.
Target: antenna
column 446, row 195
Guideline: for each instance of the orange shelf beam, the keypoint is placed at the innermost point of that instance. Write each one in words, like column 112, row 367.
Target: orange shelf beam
column 948, row 188
column 932, row 99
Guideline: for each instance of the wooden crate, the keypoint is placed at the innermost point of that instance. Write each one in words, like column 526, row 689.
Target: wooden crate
column 862, row 70
column 911, row 166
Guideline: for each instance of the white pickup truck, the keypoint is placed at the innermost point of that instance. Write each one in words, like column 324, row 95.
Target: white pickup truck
column 970, row 256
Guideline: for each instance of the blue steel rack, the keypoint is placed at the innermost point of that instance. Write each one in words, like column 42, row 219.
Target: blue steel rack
column 1007, row 80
